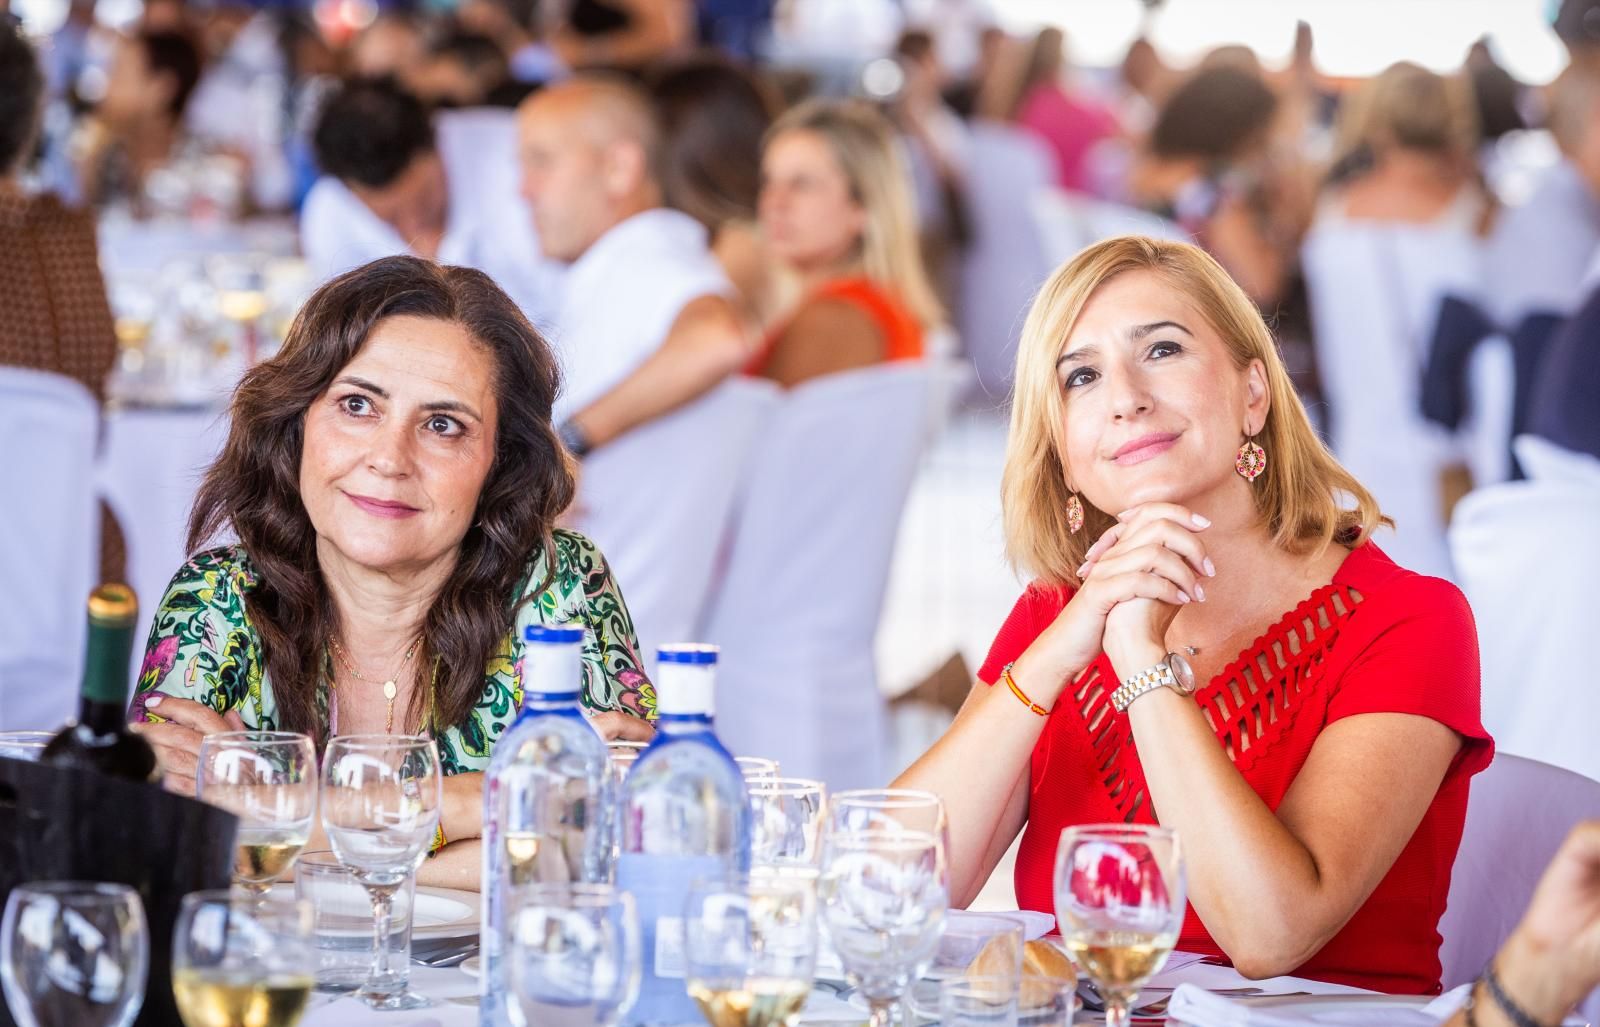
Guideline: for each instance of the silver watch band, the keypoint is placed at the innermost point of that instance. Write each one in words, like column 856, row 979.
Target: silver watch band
column 1159, row 676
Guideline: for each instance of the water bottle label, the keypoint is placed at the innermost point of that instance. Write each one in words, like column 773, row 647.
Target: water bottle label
column 669, row 955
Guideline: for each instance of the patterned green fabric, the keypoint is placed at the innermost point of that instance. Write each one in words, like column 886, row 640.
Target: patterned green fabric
column 203, row 647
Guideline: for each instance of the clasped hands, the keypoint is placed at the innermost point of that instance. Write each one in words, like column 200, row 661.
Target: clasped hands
column 1134, row 580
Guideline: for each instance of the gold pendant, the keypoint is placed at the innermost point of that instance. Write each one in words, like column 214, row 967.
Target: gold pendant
column 389, row 690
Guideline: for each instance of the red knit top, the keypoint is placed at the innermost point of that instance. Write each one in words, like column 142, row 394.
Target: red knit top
column 1378, row 638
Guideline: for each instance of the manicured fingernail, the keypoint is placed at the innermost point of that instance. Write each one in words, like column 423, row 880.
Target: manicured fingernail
column 1199, row 592
column 1211, row 568
column 1183, row 597
column 154, row 700
column 1124, row 515
column 1199, row 522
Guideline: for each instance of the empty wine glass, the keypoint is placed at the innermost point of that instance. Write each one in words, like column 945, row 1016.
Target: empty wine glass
column 884, row 898
column 268, row 779
column 242, row 960
column 380, row 805
column 756, row 768
column 750, row 949
column 24, row 745
column 1119, row 891
column 623, row 755
column 74, row 952
column 786, row 821
column 574, row 954
column 893, row 809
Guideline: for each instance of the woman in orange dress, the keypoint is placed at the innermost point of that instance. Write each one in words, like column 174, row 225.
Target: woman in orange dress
column 838, row 218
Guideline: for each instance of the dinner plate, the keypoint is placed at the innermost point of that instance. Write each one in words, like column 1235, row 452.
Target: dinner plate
column 439, row 912
column 472, row 966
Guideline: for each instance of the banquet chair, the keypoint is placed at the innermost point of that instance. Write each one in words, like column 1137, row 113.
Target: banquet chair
column 1543, row 460
column 149, row 473
column 797, row 612
column 1004, row 263
column 1527, row 557
column 1519, row 813
column 657, row 502
column 49, row 543
column 1375, row 291
column 1068, row 221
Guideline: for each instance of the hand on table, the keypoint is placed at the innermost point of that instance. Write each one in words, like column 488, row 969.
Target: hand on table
column 1552, row 959
column 177, row 741
column 614, row 726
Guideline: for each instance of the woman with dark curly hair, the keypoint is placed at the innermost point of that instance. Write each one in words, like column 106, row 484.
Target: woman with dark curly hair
column 393, row 480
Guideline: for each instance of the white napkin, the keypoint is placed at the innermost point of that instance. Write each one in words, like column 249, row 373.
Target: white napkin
column 1200, row 1008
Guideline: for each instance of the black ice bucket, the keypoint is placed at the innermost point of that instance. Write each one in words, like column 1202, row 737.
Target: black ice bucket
column 65, row 824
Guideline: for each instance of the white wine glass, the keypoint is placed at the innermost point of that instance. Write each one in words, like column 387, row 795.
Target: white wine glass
column 1120, row 901
column 883, row 898
column 750, row 948
column 268, row 779
column 756, row 768
column 574, row 954
column 380, row 806
column 242, row 960
column 74, row 952
column 786, row 816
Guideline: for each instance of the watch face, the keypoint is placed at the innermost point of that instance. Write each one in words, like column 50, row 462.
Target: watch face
column 1182, row 672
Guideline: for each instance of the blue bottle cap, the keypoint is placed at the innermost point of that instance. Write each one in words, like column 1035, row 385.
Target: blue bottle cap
column 559, row 634
column 688, row 652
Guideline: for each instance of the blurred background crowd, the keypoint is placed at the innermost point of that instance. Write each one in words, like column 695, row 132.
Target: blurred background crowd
column 795, row 189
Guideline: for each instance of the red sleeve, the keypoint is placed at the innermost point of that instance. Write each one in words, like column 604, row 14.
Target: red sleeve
column 1417, row 652
column 1034, row 611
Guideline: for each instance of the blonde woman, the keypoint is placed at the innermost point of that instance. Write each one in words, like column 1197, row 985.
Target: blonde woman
column 837, row 216
column 1213, row 641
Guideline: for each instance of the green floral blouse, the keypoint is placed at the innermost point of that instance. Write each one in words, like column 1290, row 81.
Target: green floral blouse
column 203, row 647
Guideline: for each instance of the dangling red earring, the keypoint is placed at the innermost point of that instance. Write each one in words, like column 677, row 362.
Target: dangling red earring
column 1252, row 460
column 1074, row 514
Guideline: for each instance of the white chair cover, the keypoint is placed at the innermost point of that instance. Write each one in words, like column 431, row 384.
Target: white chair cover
column 153, row 463
column 658, row 500
column 1528, row 558
column 1068, row 221
column 1004, row 264
column 49, row 544
column 813, row 536
column 1543, row 460
column 1375, row 292
column 1518, row 814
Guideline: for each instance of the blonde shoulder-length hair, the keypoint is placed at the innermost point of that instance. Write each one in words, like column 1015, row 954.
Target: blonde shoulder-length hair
column 1307, row 498
column 863, row 142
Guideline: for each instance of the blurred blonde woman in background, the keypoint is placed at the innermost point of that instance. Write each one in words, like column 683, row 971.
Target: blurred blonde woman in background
column 837, row 215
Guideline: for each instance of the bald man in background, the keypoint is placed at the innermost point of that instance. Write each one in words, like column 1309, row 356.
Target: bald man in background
column 646, row 322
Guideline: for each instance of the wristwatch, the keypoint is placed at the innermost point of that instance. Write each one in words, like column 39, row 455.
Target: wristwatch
column 1174, row 672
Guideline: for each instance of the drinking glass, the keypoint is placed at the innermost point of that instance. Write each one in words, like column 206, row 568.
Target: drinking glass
column 893, row 809
column 268, row 779
column 242, row 960
column 1119, row 891
column 1047, row 1001
column 341, row 916
column 623, row 755
column 574, row 954
column 756, row 768
column 74, row 952
column 978, row 1002
column 380, row 805
column 883, row 897
column 750, row 949
column 786, row 821
column 24, row 745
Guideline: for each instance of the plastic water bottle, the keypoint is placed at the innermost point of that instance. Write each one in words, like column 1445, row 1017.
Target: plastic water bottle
column 684, row 814
column 545, row 801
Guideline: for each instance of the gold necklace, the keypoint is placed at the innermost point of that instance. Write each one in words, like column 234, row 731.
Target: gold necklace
column 390, row 689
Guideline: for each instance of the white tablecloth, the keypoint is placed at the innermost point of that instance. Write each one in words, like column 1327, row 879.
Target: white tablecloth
column 457, row 995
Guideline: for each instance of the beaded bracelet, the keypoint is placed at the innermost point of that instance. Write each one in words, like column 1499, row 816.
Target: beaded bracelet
column 1513, row 1012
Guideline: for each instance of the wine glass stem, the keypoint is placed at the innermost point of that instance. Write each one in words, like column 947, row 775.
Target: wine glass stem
column 1119, row 1010
column 382, row 925
column 884, row 1013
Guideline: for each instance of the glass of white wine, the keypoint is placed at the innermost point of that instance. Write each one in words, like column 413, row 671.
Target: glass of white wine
column 750, row 948
column 380, row 806
column 1120, row 900
column 574, row 954
column 268, row 779
column 74, row 952
column 240, row 961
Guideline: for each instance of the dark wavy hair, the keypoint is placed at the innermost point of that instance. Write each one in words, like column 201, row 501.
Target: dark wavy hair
column 254, row 485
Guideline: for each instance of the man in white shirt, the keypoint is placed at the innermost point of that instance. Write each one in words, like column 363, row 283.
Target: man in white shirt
column 646, row 322
column 396, row 180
